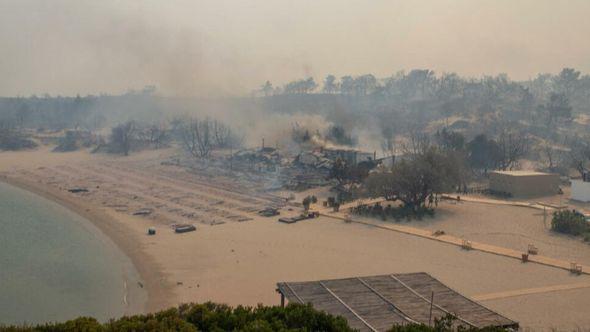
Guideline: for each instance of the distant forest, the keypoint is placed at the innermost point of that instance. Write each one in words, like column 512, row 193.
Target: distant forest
column 552, row 109
column 421, row 94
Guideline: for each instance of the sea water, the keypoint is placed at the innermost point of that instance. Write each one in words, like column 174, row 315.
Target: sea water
column 55, row 265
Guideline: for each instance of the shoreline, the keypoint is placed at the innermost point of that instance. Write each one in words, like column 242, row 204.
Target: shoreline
column 150, row 273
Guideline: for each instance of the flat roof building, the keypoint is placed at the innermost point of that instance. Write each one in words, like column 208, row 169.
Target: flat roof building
column 581, row 190
column 524, row 183
column 376, row 303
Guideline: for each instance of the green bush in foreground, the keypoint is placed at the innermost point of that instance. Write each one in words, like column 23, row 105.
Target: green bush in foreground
column 569, row 222
column 206, row 317
column 444, row 324
column 219, row 317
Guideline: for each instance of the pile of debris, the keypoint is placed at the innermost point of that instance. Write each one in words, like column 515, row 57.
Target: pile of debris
column 269, row 212
column 298, row 178
column 265, row 159
column 184, row 228
column 314, row 159
column 273, row 169
column 306, row 170
column 304, row 216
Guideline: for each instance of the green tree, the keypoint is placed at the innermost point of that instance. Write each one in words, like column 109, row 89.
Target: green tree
column 558, row 107
column 412, row 181
column 346, row 85
column 267, row 88
column 122, row 137
column 483, row 153
column 566, row 81
column 330, row 85
column 450, row 140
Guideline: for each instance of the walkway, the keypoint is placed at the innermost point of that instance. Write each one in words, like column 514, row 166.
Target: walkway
column 449, row 239
column 529, row 291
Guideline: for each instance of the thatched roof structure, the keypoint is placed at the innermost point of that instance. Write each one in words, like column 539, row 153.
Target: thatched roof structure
column 376, row 303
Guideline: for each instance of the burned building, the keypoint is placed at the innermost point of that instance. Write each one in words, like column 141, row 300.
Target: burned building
column 350, row 156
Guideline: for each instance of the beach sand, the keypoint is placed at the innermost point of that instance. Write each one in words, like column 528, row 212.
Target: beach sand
column 240, row 262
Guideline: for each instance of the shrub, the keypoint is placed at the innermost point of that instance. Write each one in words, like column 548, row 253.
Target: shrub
column 220, row 317
column 398, row 213
column 16, row 143
column 569, row 222
column 74, row 140
column 206, row 317
column 442, row 324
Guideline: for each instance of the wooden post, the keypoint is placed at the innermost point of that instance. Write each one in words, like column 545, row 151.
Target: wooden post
column 231, row 156
column 282, row 300
column 430, row 316
column 545, row 216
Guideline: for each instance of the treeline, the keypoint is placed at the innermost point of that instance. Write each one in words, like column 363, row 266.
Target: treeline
column 545, row 106
column 449, row 88
column 218, row 317
column 47, row 112
column 419, row 91
column 88, row 112
column 198, row 136
column 14, row 139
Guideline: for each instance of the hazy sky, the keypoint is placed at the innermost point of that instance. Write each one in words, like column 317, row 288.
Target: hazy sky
column 203, row 47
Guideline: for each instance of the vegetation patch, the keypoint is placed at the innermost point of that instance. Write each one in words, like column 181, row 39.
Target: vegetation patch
column 570, row 222
column 220, row 317
column 418, row 180
column 14, row 139
column 207, row 317
column 388, row 211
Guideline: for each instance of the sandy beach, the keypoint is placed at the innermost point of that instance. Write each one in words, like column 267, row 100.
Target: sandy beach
column 237, row 257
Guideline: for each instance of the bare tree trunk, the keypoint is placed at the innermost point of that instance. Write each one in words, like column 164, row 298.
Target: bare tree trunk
column 197, row 138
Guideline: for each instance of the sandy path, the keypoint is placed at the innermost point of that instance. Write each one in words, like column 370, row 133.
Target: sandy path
column 528, row 291
column 459, row 242
column 489, row 226
column 505, row 226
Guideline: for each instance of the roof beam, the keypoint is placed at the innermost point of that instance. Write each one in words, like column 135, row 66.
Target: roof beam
column 432, row 303
column 347, row 307
column 295, row 294
column 403, row 314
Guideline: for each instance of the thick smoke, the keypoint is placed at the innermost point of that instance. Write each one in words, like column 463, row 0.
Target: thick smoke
column 225, row 47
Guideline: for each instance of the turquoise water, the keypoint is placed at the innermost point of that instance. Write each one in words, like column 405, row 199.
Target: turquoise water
column 55, row 265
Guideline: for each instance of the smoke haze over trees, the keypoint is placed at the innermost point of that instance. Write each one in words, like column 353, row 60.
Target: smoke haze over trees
column 329, row 70
column 364, row 111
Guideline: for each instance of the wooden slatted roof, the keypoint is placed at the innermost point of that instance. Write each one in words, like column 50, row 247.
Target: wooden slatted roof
column 376, row 303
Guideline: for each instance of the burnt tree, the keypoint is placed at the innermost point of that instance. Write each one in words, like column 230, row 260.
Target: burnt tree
column 122, row 137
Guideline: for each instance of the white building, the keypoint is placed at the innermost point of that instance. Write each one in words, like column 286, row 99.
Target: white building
column 580, row 190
